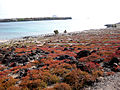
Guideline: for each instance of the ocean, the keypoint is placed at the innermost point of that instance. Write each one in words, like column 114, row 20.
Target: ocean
column 13, row 30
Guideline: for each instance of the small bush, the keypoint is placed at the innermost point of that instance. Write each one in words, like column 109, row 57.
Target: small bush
column 77, row 78
column 33, row 84
column 7, row 82
column 56, row 32
column 97, row 73
column 60, row 71
column 62, row 86
column 54, row 79
column 14, row 88
column 65, row 31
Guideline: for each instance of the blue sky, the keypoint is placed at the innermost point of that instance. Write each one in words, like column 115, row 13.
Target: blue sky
column 105, row 10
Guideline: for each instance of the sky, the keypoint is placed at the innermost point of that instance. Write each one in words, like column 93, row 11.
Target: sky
column 92, row 10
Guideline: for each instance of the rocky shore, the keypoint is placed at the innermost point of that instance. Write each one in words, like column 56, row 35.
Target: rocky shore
column 88, row 60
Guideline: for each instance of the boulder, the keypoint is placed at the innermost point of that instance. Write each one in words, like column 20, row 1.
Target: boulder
column 94, row 51
column 113, row 60
column 62, row 57
column 83, row 53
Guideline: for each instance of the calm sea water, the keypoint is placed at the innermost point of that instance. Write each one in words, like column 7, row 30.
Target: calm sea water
column 11, row 30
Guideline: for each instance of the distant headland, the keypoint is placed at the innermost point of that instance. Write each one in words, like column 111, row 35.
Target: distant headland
column 34, row 19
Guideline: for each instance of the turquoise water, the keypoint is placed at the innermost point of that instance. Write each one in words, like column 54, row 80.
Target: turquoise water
column 11, row 30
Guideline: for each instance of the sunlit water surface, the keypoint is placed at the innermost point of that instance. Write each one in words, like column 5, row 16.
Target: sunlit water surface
column 11, row 30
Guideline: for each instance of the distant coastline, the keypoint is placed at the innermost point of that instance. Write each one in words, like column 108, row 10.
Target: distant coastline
column 34, row 19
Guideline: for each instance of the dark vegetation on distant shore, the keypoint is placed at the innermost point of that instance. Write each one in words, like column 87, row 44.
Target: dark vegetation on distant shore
column 70, row 61
column 34, row 19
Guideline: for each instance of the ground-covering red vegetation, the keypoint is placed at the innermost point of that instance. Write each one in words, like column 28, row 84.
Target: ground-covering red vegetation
column 64, row 62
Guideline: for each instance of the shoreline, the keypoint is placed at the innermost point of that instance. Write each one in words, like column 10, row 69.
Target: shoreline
column 52, row 34
column 34, row 19
column 95, row 31
column 35, row 38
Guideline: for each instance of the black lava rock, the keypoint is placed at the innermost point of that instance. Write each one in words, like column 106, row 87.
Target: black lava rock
column 114, row 60
column 52, row 52
column 13, row 64
column 118, row 48
column 66, row 49
column 83, row 53
column 98, row 60
column 4, row 61
column 81, row 66
column 73, row 62
column 94, row 51
column 62, row 57
column 79, row 48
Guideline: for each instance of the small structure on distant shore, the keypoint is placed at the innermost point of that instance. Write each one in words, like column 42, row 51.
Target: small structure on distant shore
column 116, row 25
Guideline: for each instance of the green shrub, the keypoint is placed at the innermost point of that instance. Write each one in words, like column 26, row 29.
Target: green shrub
column 65, row 31
column 56, row 32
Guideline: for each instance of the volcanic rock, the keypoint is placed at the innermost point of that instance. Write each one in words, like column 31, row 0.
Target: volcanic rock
column 83, row 53
column 98, row 60
column 114, row 60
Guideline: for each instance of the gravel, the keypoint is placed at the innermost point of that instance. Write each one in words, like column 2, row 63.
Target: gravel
column 111, row 82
